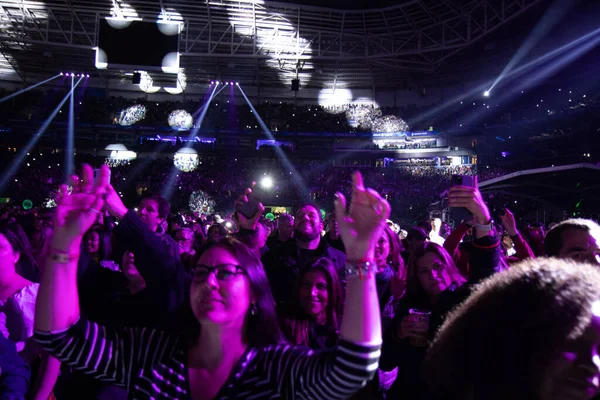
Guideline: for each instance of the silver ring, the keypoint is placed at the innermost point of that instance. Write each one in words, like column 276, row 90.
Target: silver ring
column 95, row 211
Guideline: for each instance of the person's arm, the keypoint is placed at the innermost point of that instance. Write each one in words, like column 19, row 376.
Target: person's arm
column 360, row 230
column 334, row 374
column 523, row 251
column 453, row 240
column 46, row 378
column 100, row 352
column 156, row 260
column 521, row 247
column 339, row 373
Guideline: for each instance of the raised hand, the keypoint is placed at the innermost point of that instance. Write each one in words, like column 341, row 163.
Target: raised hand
column 470, row 198
column 362, row 226
column 114, row 204
column 509, row 223
column 241, row 220
column 78, row 211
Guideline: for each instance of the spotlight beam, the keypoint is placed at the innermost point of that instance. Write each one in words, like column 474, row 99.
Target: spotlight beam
column 514, row 73
column 12, row 170
column 296, row 178
column 542, row 73
column 551, row 17
column 169, row 185
column 69, row 156
column 10, row 96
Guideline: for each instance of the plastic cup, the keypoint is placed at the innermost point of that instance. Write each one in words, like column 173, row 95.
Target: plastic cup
column 421, row 316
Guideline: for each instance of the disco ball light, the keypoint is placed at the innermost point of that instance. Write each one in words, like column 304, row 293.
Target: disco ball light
column 389, row 124
column 181, row 120
column 132, row 115
column 362, row 116
column 186, row 159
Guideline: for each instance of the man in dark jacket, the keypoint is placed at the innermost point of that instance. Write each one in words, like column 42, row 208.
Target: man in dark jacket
column 283, row 264
column 164, row 283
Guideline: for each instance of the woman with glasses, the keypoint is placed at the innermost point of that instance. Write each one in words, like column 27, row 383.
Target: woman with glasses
column 235, row 349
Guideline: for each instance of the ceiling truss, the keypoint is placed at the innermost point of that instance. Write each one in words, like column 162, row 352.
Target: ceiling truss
column 263, row 43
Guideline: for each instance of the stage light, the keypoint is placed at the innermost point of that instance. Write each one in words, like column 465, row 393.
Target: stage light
column 237, row 83
column 217, row 82
column 212, row 82
column 87, row 75
column 231, row 83
column 61, row 74
column 486, row 93
column 267, row 182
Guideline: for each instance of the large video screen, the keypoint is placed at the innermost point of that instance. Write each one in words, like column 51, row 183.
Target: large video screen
column 132, row 43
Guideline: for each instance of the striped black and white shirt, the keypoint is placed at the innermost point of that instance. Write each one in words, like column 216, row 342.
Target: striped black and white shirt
column 152, row 364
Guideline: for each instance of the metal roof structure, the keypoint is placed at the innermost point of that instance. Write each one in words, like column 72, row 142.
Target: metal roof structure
column 569, row 187
column 258, row 43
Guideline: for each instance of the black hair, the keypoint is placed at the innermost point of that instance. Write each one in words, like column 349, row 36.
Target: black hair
column 553, row 241
column 164, row 207
column 498, row 343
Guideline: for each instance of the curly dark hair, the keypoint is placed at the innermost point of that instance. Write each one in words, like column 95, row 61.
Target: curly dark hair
column 497, row 344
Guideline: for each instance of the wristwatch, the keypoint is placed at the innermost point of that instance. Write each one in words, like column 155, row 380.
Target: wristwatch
column 485, row 227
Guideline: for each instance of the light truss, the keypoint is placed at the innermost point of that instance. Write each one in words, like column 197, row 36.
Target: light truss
column 255, row 38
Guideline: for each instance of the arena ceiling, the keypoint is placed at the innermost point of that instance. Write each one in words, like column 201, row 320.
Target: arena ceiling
column 259, row 43
column 574, row 188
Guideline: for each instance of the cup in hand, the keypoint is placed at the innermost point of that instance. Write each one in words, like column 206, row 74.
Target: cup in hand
column 421, row 320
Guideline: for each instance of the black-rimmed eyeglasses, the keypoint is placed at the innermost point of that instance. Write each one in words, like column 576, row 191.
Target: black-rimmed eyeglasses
column 223, row 272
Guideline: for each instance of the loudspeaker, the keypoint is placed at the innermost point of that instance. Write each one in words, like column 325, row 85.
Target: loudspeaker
column 137, row 78
column 295, row 85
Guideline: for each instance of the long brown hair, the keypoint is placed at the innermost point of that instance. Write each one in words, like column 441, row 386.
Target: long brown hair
column 297, row 325
column 394, row 259
column 413, row 285
column 262, row 327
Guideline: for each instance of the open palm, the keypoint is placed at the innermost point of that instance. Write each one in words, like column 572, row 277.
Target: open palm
column 362, row 226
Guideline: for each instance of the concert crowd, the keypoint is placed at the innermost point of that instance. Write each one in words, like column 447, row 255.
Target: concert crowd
column 107, row 297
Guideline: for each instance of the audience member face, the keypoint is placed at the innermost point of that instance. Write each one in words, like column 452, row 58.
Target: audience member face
column 574, row 372
column 263, row 235
column 314, row 293
column 148, row 212
column 286, row 229
column 221, row 296
column 8, row 256
column 173, row 226
column 433, row 274
column 580, row 245
column 214, row 235
column 92, row 242
column 308, row 224
column 382, row 249
column 185, row 240
column 334, row 228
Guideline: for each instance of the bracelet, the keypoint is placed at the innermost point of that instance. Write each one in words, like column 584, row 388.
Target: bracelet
column 60, row 257
column 484, row 227
column 360, row 268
